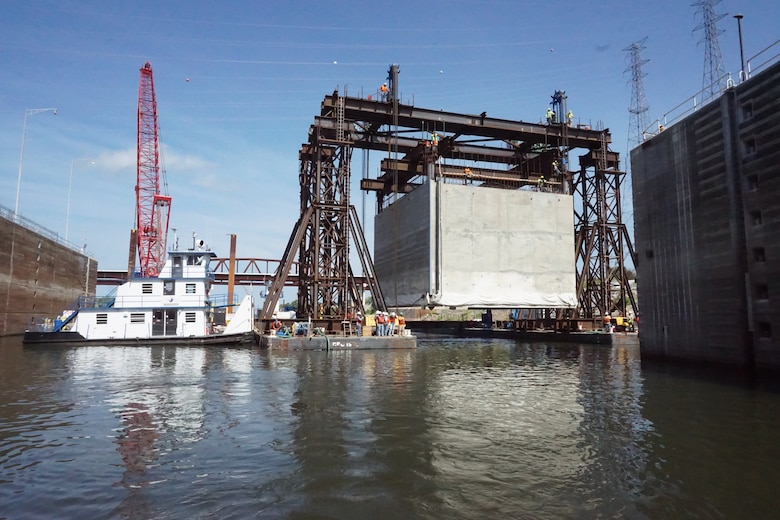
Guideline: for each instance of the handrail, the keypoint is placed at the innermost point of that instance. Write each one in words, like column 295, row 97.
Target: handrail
column 696, row 105
column 26, row 223
column 697, row 100
column 764, row 63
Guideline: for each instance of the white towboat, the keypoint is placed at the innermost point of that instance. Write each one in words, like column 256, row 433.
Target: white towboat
column 174, row 308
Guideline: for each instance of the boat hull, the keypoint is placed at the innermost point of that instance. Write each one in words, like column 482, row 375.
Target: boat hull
column 68, row 338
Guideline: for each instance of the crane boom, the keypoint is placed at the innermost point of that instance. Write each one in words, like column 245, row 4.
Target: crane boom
column 152, row 208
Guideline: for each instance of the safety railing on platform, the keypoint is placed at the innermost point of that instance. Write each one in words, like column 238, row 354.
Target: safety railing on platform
column 26, row 223
column 759, row 61
column 762, row 59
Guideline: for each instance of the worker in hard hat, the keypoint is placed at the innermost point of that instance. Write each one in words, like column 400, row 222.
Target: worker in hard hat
column 383, row 91
column 391, row 322
column 541, row 182
column 276, row 325
column 570, row 117
column 550, row 116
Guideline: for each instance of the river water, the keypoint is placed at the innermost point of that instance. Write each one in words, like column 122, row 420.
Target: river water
column 457, row 429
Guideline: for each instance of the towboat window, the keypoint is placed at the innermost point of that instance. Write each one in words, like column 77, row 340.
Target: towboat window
column 190, row 260
column 169, row 287
column 101, row 318
column 146, row 288
column 190, row 288
column 189, row 317
column 137, row 317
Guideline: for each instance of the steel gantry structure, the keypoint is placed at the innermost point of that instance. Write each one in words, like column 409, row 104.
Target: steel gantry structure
column 327, row 286
column 424, row 144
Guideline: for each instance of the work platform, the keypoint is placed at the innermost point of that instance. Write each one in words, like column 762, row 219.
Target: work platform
column 334, row 342
column 427, row 329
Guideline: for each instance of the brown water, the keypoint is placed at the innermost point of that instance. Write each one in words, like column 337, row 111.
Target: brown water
column 458, row 429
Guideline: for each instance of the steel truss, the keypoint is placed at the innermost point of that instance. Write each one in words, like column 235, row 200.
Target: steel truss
column 602, row 239
column 477, row 149
column 327, row 287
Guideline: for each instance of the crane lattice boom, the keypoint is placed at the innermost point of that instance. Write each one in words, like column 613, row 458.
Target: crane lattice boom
column 152, row 208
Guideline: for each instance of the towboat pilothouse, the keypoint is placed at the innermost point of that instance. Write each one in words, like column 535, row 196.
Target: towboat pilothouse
column 174, row 308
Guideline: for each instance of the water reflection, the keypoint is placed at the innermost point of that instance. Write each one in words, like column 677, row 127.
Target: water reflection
column 136, row 443
column 456, row 429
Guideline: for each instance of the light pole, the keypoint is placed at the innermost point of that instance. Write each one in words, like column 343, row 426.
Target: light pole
column 742, row 73
column 70, row 183
column 27, row 112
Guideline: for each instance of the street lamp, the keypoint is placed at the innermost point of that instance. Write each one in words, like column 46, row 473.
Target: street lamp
column 70, row 183
column 27, row 112
column 742, row 73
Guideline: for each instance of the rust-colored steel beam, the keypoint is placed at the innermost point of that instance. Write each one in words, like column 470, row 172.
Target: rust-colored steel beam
column 423, row 145
column 380, row 113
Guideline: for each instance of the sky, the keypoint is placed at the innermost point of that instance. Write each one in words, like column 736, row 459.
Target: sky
column 238, row 83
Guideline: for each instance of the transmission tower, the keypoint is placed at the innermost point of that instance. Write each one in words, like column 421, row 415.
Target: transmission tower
column 638, row 108
column 714, row 72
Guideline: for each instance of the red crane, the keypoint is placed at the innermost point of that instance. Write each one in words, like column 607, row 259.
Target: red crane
column 152, row 209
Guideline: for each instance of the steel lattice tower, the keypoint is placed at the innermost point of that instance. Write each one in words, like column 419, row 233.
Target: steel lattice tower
column 327, row 286
column 638, row 108
column 714, row 72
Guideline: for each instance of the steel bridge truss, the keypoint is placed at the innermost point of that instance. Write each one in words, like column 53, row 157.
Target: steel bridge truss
column 463, row 148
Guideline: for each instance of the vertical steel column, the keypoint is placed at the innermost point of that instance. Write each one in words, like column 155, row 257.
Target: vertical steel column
column 601, row 238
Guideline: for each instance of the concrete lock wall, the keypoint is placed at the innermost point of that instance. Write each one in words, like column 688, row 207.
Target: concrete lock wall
column 464, row 245
column 40, row 279
column 707, row 229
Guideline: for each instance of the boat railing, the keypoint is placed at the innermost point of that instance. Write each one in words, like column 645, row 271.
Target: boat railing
column 96, row 302
column 39, row 324
column 222, row 300
column 146, row 301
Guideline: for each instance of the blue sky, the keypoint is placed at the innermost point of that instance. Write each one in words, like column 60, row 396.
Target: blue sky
column 239, row 82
